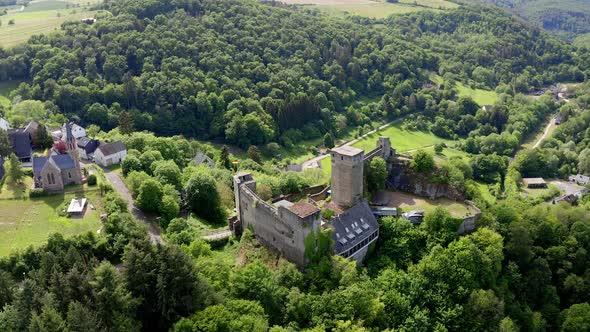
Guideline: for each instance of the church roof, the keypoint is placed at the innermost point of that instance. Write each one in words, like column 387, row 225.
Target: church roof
column 61, row 161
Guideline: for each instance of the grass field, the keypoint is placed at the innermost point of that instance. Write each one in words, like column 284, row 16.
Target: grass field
column 482, row 97
column 408, row 202
column 583, row 40
column 29, row 222
column 402, row 140
column 375, row 9
column 39, row 17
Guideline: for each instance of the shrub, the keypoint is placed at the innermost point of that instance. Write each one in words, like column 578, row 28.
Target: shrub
column 37, row 192
column 92, row 180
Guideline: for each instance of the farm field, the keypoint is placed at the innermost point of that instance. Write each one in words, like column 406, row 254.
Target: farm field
column 26, row 222
column 375, row 9
column 40, row 17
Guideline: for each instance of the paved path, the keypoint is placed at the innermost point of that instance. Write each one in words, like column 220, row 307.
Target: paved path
column 549, row 125
column 120, row 187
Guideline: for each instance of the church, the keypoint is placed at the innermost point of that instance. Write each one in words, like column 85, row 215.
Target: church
column 55, row 171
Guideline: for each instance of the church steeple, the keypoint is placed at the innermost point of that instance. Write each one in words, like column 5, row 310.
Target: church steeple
column 71, row 146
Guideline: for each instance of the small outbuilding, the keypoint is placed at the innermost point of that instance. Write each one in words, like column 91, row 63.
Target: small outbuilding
column 77, row 206
column 534, row 183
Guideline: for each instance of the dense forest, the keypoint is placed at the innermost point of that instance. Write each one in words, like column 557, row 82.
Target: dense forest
column 258, row 76
column 254, row 74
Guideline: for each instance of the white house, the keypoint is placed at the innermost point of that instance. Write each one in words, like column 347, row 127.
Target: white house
column 110, row 154
column 77, row 131
column 4, row 125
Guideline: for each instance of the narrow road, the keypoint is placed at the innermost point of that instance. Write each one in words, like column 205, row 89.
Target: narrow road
column 115, row 179
column 549, row 125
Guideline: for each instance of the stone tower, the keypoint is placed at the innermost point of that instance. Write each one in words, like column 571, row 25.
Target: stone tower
column 347, row 175
column 71, row 147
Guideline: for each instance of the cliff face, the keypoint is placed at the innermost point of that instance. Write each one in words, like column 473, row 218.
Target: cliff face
column 402, row 177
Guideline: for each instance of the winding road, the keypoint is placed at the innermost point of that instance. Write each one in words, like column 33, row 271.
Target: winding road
column 545, row 133
column 115, row 179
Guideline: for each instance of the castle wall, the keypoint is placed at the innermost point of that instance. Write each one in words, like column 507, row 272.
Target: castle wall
column 277, row 227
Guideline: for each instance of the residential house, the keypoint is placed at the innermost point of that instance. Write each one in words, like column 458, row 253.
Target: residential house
column 4, row 125
column 202, row 158
column 579, row 179
column 86, row 147
column 21, row 144
column 110, row 153
column 77, row 131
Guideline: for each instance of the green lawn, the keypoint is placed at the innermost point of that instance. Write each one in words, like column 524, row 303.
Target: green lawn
column 402, row 140
column 482, row 97
column 583, row 40
column 39, row 17
column 29, row 222
column 447, row 154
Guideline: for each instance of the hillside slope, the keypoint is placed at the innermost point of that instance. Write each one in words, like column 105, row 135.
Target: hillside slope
column 565, row 18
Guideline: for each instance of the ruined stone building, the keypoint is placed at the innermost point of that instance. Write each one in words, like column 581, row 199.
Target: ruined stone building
column 288, row 226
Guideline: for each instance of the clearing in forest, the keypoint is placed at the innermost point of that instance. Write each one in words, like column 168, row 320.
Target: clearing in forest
column 480, row 96
column 375, row 9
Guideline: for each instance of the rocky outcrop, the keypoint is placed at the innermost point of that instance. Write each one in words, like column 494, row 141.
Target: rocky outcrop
column 403, row 178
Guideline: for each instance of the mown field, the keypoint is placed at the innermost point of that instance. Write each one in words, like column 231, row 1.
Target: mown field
column 26, row 222
column 401, row 139
column 482, row 97
column 41, row 17
column 374, row 9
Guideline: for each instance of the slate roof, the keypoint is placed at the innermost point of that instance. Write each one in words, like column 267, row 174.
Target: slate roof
column 32, row 127
column 89, row 145
column 21, row 143
column 353, row 226
column 62, row 161
column 303, row 209
column 111, row 148
column 200, row 157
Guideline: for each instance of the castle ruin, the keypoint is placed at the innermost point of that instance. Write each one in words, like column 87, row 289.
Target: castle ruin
column 287, row 226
